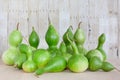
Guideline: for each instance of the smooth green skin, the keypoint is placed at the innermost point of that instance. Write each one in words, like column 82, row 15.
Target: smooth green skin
column 93, row 53
column 63, row 50
column 41, row 57
column 15, row 38
column 54, row 51
column 69, row 49
column 101, row 41
column 81, row 49
column 62, row 47
column 29, row 65
column 23, row 48
column 107, row 67
column 70, row 35
column 79, row 38
column 51, row 36
column 67, row 43
column 34, row 39
column 78, row 63
column 20, row 60
column 56, row 64
column 9, row 56
column 95, row 63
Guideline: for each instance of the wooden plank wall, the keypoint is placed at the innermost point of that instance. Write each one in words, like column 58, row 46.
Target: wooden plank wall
column 98, row 16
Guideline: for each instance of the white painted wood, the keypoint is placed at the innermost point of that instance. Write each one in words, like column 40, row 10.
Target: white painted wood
column 3, row 26
column 43, row 22
column 98, row 16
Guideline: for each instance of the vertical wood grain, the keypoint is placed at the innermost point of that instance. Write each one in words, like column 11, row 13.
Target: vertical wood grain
column 118, row 52
column 113, row 28
column 3, row 26
column 98, row 16
column 93, row 23
column 64, row 16
column 43, row 22
column 83, row 14
column 33, row 20
column 74, row 12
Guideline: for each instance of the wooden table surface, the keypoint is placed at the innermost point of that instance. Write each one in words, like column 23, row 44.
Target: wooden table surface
column 11, row 73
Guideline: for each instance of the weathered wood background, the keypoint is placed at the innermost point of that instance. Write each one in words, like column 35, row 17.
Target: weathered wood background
column 98, row 16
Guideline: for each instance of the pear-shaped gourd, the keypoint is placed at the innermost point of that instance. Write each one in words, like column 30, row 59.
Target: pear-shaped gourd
column 70, row 35
column 52, row 39
column 9, row 56
column 29, row 65
column 41, row 57
column 95, row 63
column 51, row 36
column 67, row 43
column 79, row 38
column 78, row 62
column 34, row 39
column 107, row 67
column 101, row 41
column 56, row 64
column 15, row 37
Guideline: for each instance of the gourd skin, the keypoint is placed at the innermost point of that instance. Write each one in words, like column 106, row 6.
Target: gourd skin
column 101, row 41
column 34, row 39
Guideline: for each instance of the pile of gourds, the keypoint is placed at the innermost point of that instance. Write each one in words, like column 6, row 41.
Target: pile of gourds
column 70, row 54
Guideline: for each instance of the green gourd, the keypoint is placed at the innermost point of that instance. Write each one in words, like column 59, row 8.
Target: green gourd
column 95, row 63
column 34, row 39
column 94, row 52
column 67, row 43
column 101, row 41
column 56, row 64
column 29, row 65
column 9, row 56
column 52, row 39
column 78, row 62
column 79, row 38
column 63, row 50
column 51, row 36
column 41, row 57
column 15, row 37
column 23, row 48
column 20, row 60
column 107, row 67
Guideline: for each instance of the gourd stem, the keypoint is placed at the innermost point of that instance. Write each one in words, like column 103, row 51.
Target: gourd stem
column 49, row 21
column 18, row 26
column 79, row 24
column 71, row 27
column 33, row 28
